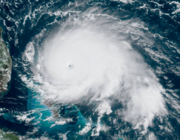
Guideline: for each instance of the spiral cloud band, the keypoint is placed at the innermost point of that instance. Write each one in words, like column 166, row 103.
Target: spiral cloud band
column 85, row 64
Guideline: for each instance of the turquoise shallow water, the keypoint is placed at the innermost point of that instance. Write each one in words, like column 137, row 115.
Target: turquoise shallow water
column 43, row 112
column 150, row 27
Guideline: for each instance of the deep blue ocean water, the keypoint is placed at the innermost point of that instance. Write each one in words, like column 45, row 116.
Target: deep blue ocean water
column 22, row 21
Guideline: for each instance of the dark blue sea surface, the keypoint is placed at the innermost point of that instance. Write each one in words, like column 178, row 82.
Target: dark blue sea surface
column 151, row 27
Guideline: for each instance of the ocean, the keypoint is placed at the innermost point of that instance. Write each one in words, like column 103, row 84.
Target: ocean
column 92, row 69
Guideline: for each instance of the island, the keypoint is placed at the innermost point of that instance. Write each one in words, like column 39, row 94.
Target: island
column 7, row 135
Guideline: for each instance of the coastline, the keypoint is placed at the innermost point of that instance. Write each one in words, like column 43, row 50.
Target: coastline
column 5, row 67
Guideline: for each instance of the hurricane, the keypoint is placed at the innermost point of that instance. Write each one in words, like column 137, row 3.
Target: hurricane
column 92, row 69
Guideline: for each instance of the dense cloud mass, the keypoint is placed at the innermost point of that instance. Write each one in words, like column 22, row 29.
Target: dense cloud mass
column 88, row 63
column 90, row 69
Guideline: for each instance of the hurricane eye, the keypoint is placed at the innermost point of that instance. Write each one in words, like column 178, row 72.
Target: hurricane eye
column 70, row 66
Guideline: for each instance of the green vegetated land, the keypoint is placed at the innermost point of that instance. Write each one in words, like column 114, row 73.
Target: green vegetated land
column 5, row 77
column 5, row 67
column 8, row 136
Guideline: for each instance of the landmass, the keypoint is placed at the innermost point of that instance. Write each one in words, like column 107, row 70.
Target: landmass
column 8, row 135
column 5, row 77
column 5, row 67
